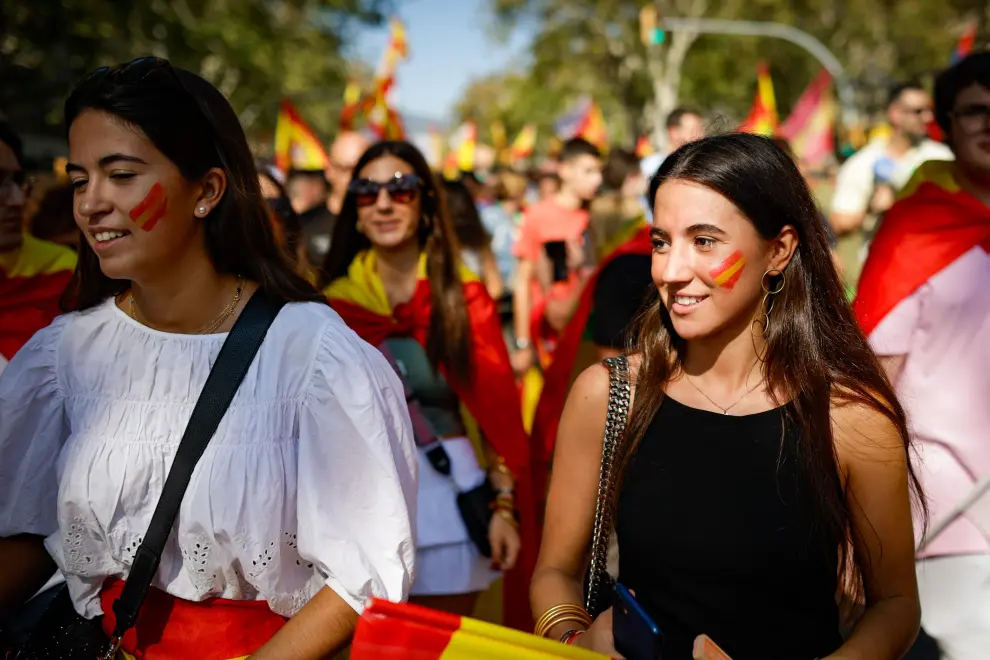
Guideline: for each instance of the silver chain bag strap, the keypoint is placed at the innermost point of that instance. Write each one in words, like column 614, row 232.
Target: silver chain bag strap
column 598, row 589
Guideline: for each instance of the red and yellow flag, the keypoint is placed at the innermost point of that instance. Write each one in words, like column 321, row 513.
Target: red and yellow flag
column 934, row 223
column 810, row 127
column 762, row 118
column 32, row 279
column 560, row 373
column 522, row 147
column 644, row 147
column 296, row 145
column 463, row 145
column 212, row 629
column 490, row 397
column 394, row 631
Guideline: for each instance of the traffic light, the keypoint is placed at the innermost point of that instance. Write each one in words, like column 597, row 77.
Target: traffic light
column 650, row 31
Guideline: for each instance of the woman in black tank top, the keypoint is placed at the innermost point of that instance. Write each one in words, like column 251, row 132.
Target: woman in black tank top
column 764, row 471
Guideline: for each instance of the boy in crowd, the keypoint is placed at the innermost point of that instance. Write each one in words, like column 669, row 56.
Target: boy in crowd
column 542, row 303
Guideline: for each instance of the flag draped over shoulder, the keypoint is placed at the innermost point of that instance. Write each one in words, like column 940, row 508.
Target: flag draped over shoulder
column 32, row 280
column 558, row 376
column 490, row 398
column 933, row 223
column 393, row 631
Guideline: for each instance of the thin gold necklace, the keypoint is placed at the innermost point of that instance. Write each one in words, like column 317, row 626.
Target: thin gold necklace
column 725, row 411
column 210, row 327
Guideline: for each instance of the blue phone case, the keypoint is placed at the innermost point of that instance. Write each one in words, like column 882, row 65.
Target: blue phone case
column 637, row 636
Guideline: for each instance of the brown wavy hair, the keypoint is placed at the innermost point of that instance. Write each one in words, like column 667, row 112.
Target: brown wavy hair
column 816, row 353
column 448, row 340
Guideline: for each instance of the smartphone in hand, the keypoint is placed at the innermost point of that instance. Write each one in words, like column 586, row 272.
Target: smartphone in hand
column 637, row 636
column 557, row 253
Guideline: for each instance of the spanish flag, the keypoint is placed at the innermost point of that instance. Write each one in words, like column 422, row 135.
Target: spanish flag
column 810, row 127
column 296, row 146
column 559, row 375
column 762, row 118
column 211, row 629
column 490, row 398
column 396, row 631
column 584, row 121
column 522, row 146
column 32, row 279
column 934, row 223
column 644, row 147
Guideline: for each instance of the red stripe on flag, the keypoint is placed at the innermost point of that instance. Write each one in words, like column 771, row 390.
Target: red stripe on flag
column 156, row 215
column 154, row 197
column 213, row 629
column 391, row 630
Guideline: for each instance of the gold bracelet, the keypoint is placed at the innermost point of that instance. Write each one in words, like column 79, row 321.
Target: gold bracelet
column 509, row 516
column 560, row 614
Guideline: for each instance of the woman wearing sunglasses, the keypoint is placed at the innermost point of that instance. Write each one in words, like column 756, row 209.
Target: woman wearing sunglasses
column 300, row 508
column 395, row 275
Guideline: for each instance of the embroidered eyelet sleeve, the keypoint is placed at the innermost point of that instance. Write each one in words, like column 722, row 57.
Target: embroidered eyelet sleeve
column 32, row 433
column 357, row 473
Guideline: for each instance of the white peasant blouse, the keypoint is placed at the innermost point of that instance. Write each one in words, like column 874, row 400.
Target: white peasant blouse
column 310, row 480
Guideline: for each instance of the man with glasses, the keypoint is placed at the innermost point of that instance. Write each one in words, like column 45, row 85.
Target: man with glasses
column 33, row 273
column 924, row 302
column 868, row 182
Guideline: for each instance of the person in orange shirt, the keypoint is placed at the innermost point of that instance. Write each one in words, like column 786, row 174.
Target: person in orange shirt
column 542, row 304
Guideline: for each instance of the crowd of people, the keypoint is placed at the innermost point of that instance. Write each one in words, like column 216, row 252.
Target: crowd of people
column 719, row 427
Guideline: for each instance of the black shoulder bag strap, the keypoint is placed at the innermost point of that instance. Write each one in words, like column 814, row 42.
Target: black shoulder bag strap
column 236, row 356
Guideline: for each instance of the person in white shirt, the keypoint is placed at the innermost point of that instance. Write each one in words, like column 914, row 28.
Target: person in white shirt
column 302, row 507
column 684, row 125
column 868, row 181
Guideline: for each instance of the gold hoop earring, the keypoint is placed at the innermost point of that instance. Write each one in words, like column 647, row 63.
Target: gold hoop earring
column 763, row 318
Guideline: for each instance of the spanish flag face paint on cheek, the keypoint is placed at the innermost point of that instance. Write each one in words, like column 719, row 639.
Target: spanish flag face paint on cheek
column 151, row 209
column 727, row 273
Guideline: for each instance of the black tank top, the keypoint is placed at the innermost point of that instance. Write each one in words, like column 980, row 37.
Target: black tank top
column 717, row 536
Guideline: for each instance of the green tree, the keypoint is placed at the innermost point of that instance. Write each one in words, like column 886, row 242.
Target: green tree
column 594, row 47
column 255, row 51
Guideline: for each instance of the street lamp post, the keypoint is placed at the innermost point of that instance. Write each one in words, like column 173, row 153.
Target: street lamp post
column 843, row 86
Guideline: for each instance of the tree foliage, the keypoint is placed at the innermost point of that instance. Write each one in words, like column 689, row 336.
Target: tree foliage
column 594, row 47
column 255, row 51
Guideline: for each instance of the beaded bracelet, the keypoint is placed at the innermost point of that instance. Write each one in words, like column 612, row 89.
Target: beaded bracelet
column 571, row 635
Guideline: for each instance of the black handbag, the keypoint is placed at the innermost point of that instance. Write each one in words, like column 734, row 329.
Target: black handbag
column 63, row 633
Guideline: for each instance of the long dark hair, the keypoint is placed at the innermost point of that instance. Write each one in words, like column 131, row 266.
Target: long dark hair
column 449, row 337
column 816, row 353
column 464, row 217
column 193, row 125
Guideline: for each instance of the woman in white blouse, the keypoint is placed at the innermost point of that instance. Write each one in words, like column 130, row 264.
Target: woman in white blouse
column 302, row 506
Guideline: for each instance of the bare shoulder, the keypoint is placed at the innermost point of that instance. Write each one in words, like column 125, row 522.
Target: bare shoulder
column 865, row 432
column 590, row 388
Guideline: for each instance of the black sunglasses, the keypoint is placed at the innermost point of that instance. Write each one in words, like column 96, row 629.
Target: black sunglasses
column 402, row 188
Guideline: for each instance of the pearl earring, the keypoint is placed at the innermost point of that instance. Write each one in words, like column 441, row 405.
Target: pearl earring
column 202, row 210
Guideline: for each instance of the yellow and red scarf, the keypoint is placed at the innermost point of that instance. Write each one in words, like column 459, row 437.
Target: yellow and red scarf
column 932, row 224
column 558, row 376
column 490, row 397
column 32, row 279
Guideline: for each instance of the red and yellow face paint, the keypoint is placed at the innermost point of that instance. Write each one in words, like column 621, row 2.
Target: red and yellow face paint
column 151, row 209
column 727, row 273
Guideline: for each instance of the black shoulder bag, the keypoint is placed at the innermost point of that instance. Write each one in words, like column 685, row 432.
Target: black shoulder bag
column 64, row 634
